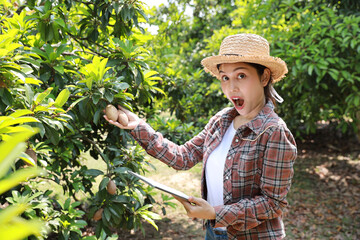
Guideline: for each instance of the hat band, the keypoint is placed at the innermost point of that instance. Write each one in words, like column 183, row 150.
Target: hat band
column 232, row 54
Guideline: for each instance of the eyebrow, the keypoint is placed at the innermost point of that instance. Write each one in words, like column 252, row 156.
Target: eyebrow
column 220, row 71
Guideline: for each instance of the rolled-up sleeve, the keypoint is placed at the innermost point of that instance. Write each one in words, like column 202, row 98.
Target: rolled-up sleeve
column 180, row 157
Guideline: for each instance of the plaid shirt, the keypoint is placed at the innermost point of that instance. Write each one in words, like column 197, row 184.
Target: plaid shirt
column 257, row 173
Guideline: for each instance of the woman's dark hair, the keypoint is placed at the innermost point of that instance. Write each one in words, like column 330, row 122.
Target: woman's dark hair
column 260, row 71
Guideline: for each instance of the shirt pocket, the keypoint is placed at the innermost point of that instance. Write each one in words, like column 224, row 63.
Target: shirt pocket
column 244, row 174
column 245, row 163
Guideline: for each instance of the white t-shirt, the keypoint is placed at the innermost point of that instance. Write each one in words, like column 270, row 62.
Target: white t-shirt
column 214, row 169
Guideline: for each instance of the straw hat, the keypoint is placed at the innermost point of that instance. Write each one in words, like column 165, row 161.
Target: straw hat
column 249, row 48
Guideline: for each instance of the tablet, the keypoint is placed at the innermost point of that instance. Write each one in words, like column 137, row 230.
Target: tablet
column 160, row 186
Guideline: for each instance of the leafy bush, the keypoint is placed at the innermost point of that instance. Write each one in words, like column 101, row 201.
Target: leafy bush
column 11, row 221
column 61, row 63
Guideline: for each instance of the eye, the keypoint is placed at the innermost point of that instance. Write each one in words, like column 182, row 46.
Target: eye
column 224, row 78
column 241, row 76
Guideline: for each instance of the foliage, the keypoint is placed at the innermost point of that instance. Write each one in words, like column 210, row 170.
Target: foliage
column 61, row 63
column 192, row 95
column 10, row 219
column 173, row 129
column 317, row 39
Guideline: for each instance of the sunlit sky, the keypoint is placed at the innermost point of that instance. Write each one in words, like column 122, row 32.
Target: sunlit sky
column 152, row 3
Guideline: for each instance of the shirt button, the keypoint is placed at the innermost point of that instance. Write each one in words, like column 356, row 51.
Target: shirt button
column 237, row 140
column 227, row 177
column 229, row 157
column 228, row 197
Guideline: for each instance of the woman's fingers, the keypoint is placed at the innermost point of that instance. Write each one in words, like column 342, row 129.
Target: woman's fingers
column 114, row 122
column 123, row 109
column 196, row 201
column 134, row 120
column 197, row 208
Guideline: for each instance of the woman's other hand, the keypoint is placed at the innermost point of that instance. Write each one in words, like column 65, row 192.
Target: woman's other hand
column 134, row 120
column 197, row 208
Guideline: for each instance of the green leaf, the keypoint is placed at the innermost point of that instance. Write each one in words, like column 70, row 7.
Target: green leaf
column 96, row 97
column 310, row 69
column 97, row 116
column 334, row 73
column 39, row 52
column 52, row 134
column 94, row 172
column 107, row 214
column 14, row 121
column 29, row 94
column 140, row 196
column 6, row 96
column 20, row 113
column 39, row 98
column 143, row 15
column 62, row 98
column 60, row 69
column 149, row 220
column 103, row 183
column 77, row 101
column 113, row 211
column 7, row 214
column 67, row 204
column 357, row 100
column 121, row 199
column 10, row 231
column 33, row 81
column 26, row 158
column 48, row 49
column 122, row 85
column 121, row 170
column 12, row 148
column 18, row 177
column 139, row 78
column 61, row 23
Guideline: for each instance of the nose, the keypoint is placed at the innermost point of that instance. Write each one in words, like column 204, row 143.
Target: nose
column 234, row 87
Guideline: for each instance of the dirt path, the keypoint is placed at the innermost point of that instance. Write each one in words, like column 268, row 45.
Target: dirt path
column 324, row 203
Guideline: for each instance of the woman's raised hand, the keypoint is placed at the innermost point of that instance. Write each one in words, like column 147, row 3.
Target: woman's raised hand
column 134, row 120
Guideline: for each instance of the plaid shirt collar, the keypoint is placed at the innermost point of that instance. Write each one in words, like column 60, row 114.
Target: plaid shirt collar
column 256, row 125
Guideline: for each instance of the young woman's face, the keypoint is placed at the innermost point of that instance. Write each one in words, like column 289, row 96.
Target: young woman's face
column 242, row 85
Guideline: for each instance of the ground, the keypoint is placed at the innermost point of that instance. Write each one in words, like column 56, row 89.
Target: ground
column 323, row 201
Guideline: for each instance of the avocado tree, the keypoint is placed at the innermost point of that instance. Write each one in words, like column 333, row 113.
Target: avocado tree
column 61, row 63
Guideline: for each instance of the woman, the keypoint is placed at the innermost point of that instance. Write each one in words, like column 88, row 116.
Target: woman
column 247, row 151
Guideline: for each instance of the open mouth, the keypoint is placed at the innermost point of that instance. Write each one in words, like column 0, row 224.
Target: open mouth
column 238, row 102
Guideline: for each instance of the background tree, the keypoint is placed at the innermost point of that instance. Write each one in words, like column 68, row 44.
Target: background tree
column 317, row 39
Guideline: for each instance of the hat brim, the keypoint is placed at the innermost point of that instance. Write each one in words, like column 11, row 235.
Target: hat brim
column 277, row 66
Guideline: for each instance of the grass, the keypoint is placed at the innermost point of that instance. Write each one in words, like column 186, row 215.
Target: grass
column 185, row 181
